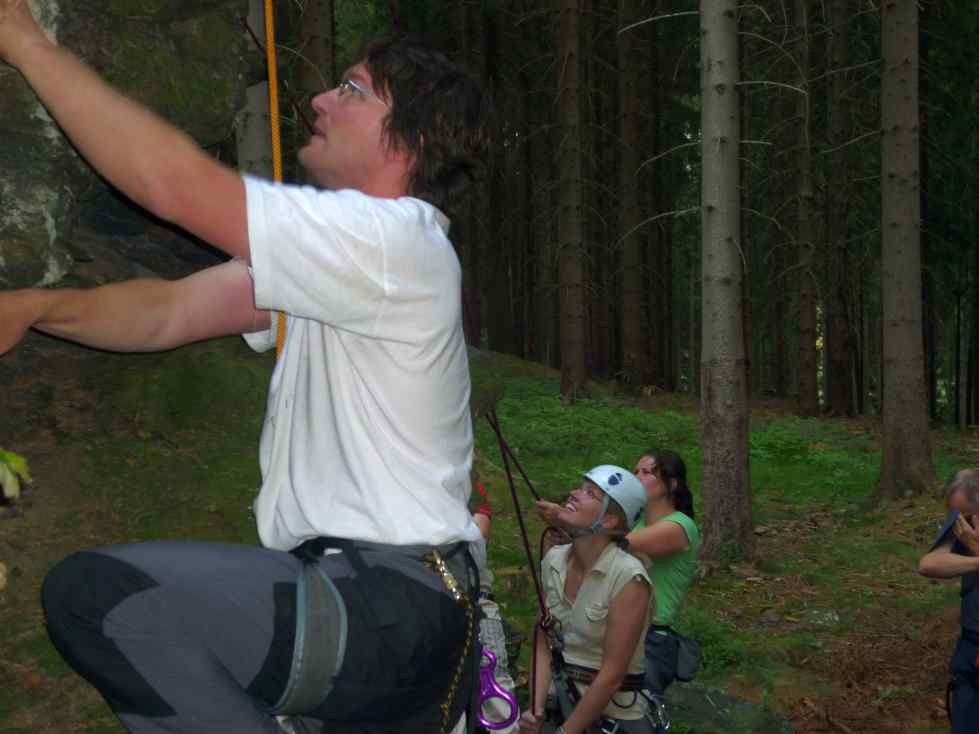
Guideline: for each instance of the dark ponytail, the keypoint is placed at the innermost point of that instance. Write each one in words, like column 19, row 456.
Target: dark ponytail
column 672, row 469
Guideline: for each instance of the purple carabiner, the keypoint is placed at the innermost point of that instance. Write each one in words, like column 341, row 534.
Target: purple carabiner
column 489, row 689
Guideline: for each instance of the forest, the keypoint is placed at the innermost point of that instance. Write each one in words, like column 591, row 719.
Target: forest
column 737, row 202
column 737, row 230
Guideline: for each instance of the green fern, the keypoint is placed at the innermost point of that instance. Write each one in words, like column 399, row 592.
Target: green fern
column 13, row 471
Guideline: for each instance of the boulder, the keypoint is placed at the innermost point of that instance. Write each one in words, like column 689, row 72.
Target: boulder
column 694, row 707
column 189, row 61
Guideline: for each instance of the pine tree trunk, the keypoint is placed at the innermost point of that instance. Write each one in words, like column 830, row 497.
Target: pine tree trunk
column 467, row 224
column 972, row 398
column 543, row 170
column 665, row 288
column 600, row 168
column 571, row 267
column 524, row 216
column 839, row 342
column 630, row 237
column 906, row 465
column 499, row 317
column 545, row 296
column 657, row 272
column 696, row 333
column 928, row 290
column 724, row 399
column 957, row 367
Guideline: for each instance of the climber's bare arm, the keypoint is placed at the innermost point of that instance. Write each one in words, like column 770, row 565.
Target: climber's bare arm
column 152, row 162
column 142, row 315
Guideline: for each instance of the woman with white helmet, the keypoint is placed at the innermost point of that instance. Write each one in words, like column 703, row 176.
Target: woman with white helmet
column 589, row 670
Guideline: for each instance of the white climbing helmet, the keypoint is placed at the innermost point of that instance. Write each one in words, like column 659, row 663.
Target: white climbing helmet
column 622, row 486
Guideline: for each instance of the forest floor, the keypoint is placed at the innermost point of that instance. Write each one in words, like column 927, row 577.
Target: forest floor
column 829, row 625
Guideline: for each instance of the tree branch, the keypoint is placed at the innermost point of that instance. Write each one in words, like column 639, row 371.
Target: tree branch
column 653, row 20
column 850, row 142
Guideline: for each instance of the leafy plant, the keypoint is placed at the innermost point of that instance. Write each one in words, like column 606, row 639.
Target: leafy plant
column 13, row 471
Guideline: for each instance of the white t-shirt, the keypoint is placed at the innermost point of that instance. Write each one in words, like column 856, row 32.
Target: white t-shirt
column 367, row 432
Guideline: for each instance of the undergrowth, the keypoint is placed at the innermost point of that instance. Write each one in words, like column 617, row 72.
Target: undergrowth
column 178, row 459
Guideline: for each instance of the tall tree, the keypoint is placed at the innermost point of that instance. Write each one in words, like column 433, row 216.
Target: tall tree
column 630, row 238
column 808, row 358
column 906, row 465
column 972, row 389
column 724, row 390
column 499, row 319
column 571, row 269
column 839, row 341
column 467, row 225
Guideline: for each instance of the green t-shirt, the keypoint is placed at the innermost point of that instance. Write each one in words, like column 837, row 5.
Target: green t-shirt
column 673, row 575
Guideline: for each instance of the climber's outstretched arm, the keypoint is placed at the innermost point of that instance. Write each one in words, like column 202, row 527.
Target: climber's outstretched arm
column 142, row 315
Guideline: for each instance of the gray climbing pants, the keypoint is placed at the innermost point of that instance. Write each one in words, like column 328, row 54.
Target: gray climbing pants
column 199, row 637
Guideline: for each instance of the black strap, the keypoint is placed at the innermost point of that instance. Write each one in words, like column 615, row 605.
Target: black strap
column 586, row 675
column 313, row 548
column 567, row 692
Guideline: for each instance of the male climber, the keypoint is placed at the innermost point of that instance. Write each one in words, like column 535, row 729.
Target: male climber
column 367, row 416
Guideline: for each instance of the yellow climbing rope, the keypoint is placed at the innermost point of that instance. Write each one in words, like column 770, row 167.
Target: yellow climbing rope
column 280, row 336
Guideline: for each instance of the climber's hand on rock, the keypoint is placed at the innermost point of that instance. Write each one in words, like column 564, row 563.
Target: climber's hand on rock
column 19, row 31
column 18, row 312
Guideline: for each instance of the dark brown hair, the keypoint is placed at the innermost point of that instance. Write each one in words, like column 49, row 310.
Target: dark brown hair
column 439, row 115
column 671, row 466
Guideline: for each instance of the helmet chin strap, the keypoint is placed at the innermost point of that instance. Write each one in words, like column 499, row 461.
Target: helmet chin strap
column 596, row 527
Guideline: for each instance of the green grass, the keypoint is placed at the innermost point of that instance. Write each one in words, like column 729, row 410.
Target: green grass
column 177, row 458
column 800, row 468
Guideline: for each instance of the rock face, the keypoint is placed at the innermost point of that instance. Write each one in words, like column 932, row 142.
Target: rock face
column 188, row 60
column 694, row 707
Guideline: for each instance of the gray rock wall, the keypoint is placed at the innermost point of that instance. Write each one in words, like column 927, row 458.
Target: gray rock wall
column 189, row 61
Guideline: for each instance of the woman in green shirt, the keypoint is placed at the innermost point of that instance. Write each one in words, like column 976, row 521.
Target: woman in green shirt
column 670, row 538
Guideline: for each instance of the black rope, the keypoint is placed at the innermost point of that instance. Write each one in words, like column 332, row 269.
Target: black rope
column 507, row 455
column 505, row 451
column 546, row 623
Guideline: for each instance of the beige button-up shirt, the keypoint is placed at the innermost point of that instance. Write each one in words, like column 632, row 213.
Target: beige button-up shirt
column 583, row 621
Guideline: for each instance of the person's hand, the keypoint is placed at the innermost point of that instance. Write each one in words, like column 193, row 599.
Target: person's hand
column 18, row 30
column 967, row 535
column 548, row 511
column 530, row 723
column 16, row 317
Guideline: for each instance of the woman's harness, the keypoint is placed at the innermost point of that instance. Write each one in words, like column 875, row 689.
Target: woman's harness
column 563, row 674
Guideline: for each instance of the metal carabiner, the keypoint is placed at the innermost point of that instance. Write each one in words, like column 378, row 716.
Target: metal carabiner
column 489, row 689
